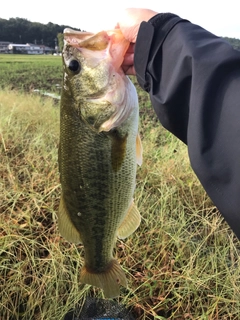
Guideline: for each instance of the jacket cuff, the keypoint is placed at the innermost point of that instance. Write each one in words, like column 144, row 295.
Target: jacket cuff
column 158, row 28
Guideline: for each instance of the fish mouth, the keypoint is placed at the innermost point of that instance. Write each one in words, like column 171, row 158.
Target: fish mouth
column 74, row 37
column 87, row 40
column 104, row 41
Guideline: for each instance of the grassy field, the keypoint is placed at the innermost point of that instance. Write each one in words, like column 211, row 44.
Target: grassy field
column 26, row 72
column 182, row 262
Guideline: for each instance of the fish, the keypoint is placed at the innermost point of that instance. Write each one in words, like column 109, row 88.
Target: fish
column 99, row 150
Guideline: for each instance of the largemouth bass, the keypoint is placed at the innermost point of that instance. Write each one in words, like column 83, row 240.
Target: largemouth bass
column 98, row 153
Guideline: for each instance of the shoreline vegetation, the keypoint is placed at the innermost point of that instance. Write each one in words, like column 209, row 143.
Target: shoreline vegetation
column 181, row 263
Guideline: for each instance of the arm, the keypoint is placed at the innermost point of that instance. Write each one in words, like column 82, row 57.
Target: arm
column 193, row 78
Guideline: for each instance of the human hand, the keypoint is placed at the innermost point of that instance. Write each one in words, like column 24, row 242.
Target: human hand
column 129, row 23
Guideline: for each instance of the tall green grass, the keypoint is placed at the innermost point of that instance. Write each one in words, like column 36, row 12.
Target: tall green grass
column 182, row 262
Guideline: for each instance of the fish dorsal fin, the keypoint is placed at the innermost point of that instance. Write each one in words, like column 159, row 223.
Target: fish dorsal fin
column 139, row 150
column 65, row 225
column 130, row 223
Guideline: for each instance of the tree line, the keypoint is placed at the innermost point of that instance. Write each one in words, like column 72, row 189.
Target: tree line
column 19, row 30
column 234, row 42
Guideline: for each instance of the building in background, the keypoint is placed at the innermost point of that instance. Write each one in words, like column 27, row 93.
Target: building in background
column 29, row 48
column 4, row 46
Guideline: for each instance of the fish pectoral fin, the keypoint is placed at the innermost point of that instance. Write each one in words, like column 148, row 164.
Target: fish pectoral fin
column 65, row 225
column 130, row 223
column 108, row 280
column 139, row 150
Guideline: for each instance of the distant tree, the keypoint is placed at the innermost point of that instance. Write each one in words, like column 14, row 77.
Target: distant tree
column 60, row 41
column 234, row 42
column 18, row 30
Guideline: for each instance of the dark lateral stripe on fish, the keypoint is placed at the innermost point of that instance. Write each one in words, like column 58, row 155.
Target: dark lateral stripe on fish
column 106, row 269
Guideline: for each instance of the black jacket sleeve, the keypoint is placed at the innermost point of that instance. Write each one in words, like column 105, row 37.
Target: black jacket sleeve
column 193, row 78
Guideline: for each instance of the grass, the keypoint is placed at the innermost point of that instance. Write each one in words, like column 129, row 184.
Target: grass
column 182, row 262
column 29, row 72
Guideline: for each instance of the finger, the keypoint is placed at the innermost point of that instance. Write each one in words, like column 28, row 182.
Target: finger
column 129, row 70
column 128, row 59
column 131, row 48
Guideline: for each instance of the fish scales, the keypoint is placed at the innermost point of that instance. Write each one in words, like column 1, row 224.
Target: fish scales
column 96, row 189
column 97, row 165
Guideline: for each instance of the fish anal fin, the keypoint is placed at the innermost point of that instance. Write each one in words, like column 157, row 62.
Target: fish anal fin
column 139, row 150
column 109, row 280
column 65, row 225
column 130, row 223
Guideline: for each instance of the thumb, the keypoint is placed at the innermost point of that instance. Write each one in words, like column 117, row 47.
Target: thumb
column 130, row 20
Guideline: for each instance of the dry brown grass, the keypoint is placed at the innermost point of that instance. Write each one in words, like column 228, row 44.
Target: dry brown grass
column 182, row 263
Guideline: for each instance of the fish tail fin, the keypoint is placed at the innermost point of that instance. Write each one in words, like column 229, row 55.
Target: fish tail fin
column 108, row 280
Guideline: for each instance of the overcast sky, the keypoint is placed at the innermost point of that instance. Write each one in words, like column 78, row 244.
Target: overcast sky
column 219, row 17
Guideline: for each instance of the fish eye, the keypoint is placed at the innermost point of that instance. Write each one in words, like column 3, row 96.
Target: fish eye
column 74, row 66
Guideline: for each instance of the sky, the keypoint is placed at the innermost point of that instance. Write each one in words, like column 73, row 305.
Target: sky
column 219, row 17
